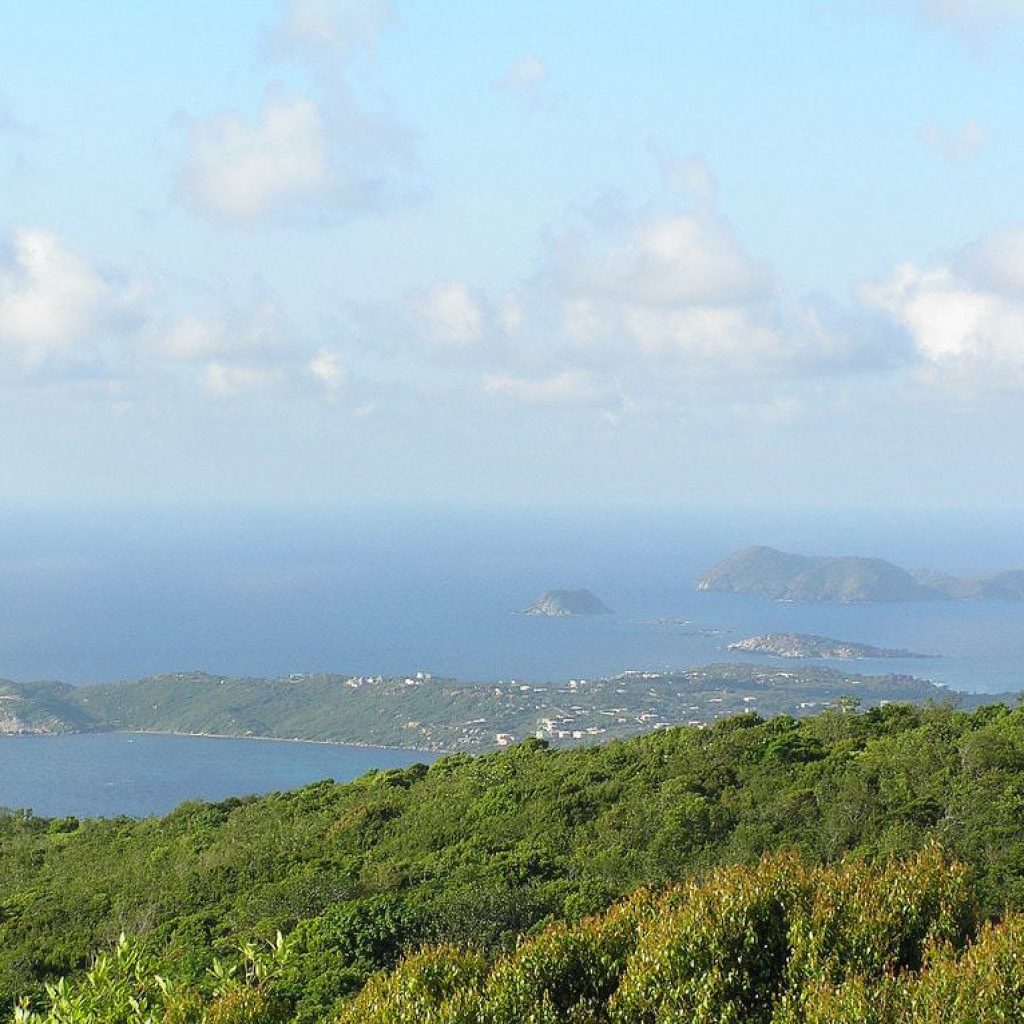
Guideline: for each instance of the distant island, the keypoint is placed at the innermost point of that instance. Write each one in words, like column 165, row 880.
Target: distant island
column 782, row 576
column 803, row 645
column 562, row 603
column 428, row 712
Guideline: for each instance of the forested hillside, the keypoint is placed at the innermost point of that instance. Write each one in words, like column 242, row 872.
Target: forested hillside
column 425, row 712
column 778, row 943
column 774, row 944
column 473, row 853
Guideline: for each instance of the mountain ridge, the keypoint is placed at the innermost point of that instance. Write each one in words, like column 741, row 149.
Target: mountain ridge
column 849, row 579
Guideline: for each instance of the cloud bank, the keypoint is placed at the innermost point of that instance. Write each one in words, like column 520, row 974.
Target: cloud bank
column 642, row 305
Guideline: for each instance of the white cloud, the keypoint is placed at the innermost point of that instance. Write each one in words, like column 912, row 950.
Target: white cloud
column 680, row 259
column 570, row 387
column 240, row 171
column 225, row 380
column 965, row 320
column 645, row 302
column 63, row 321
column 451, row 314
column 726, row 336
column 677, row 295
column 51, row 299
column 327, row 367
column 956, row 147
column 527, row 79
column 193, row 338
column 679, row 290
column 305, row 156
column 996, row 262
column 334, row 26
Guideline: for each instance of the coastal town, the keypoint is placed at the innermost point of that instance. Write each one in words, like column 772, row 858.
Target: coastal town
column 432, row 713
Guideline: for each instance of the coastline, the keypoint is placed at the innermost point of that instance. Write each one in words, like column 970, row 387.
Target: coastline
column 271, row 739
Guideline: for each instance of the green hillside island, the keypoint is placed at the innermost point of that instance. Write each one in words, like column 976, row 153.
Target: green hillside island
column 853, row 867
column 430, row 713
column 781, row 576
column 42, row 708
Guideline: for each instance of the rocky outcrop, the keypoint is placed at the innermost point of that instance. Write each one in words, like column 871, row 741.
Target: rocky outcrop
column 562, row 603
column 802, row 645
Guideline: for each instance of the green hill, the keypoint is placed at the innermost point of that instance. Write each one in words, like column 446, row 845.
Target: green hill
column 430, row 713
column 478, row 852
column 42, row 708
column 786, row 577
column 782, row 576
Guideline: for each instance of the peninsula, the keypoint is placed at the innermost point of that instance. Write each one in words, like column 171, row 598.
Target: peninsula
column 428, row 712
column 803, row 645
column 781, row 576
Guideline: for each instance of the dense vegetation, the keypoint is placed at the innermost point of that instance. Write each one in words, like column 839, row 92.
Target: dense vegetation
column 437, row 714
column 467, row 856
column 775, row 944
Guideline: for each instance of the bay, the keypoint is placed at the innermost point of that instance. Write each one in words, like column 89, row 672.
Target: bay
column 110, row 774
column 94, row 595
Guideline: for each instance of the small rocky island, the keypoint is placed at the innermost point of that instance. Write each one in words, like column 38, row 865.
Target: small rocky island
column 562, row 603
column 803, row 645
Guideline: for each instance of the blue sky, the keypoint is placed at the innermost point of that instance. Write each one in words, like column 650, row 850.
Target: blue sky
column 339, row 250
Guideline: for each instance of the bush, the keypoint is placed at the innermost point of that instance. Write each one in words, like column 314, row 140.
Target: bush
column 124, row 987
column 779, row 943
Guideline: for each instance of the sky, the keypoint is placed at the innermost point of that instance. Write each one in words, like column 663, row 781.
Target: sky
column 337, row 251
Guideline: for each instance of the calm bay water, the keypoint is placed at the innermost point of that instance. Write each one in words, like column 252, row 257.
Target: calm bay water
column 118, row 773
column 89, row 596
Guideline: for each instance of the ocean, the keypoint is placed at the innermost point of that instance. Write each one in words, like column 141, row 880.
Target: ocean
column 113, row 774
column 91, row 596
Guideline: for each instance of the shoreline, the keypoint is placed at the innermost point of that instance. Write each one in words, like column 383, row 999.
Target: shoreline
column 440, row 752
column 270, row 739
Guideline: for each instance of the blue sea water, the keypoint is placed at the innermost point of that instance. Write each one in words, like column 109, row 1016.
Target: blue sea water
column 135, row 774
column 99, row 596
